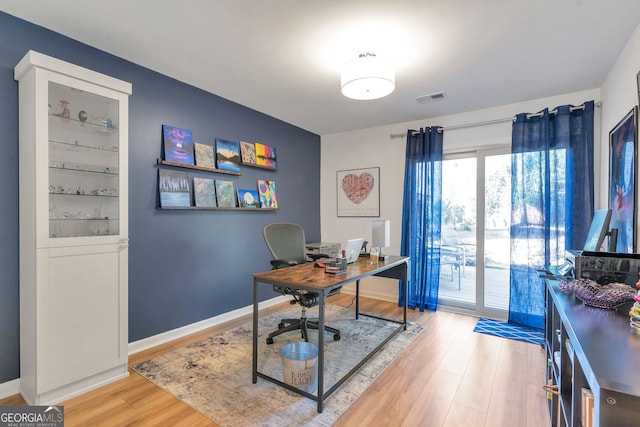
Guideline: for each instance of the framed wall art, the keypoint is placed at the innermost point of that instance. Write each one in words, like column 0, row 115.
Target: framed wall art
column 359, row 192
column 204, row 155
column 204, row 192
column 225, row 194
column 267, row 194
column 623, row 154
column 227, row 155
column 178, row 145
column 174, row 188
column 266, row 155
column 248, row 198
column 248, row 152
column 638, row 85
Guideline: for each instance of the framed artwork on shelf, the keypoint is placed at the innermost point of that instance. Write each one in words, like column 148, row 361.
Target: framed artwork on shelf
column 248, row 152
column 204, row 155
column 178, row 145
column 267, row 193
column 248, row 199
column 225, row 194
column 638, row 85
column 359, row 192
column 623, row 155
column 174, row 188
column 266, row 155
column 204, row 192
column 227, row 155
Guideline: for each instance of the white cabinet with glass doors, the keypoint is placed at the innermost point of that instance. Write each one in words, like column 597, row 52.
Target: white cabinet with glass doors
column 73, row 228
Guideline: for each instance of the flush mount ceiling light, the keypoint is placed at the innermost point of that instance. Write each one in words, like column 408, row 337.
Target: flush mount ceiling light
column 367, row 77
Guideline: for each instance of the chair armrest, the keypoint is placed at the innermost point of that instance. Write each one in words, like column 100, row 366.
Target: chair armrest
column 316, row 257
column 282, row 263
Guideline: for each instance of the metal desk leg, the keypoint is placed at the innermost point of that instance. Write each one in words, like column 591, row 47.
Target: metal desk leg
column 357, row 299
column 321, row 314
column 255, row 332
column 405, row 302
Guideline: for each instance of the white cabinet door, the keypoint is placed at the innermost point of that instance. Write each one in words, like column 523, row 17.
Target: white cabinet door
column 81, row 313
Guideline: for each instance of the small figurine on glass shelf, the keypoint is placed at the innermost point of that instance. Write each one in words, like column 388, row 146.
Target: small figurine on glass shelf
column 634, row 314
column 63, row 109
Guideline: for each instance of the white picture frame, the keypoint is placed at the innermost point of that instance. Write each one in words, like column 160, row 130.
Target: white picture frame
column 358, row 192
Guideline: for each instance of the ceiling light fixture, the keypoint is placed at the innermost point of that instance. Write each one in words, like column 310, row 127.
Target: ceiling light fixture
column 367, row 77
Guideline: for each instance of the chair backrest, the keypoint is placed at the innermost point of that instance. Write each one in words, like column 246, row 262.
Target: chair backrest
column 285, row 241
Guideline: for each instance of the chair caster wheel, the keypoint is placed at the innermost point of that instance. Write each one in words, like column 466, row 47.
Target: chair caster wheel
column 269, row 340
column 336, row 337
column 280, row 325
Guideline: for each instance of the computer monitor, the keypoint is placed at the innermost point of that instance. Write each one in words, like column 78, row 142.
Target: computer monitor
column 598, row 230
column 352, row 249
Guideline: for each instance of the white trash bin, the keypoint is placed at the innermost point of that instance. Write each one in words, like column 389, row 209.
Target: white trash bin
column 300, row 365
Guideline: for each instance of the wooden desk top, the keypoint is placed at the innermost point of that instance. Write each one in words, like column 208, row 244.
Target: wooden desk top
column 306, row 276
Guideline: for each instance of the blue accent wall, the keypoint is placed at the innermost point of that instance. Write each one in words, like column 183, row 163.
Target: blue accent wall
column 184, row 266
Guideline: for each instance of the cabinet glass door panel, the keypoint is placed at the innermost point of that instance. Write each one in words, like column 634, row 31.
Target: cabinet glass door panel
column 83, row 147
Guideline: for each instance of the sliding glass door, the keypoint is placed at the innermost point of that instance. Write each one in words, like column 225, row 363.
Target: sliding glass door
column 476, row 196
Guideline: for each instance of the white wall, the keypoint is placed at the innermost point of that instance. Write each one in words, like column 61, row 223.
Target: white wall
column 619, row 96
column 384, row 147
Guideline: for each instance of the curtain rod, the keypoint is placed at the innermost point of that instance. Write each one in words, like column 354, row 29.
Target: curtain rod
column 495, row 121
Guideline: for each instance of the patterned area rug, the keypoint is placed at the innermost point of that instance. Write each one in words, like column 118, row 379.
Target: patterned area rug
column 508, row 330
column 214, row 376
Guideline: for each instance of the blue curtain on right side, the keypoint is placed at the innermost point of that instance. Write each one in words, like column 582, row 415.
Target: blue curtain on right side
column 421, row 215
column 551, row 200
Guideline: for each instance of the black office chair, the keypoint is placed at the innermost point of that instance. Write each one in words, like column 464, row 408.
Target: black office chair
column 286, row 242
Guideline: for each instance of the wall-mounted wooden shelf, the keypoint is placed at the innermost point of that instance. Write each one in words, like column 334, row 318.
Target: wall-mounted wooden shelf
column 259, row 166
column 203, row 208
column 200, row 168
column 205, row 169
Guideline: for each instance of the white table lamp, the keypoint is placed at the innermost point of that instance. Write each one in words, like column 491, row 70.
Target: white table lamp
column 381, row 235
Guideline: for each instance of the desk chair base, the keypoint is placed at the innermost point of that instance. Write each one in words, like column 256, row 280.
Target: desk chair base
column 287, row 325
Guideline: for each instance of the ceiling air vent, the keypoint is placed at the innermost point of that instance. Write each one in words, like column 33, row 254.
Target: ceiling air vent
column 433, row 97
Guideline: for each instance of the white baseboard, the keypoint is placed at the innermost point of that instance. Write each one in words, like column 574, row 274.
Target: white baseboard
column 9, row 388
column 164, row 337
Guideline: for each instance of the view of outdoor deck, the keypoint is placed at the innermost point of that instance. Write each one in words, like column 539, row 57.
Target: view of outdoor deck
column 458, row 269
column 496, row 287
column 462, row 214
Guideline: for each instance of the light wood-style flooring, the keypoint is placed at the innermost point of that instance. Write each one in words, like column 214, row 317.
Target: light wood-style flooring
column 449, row 376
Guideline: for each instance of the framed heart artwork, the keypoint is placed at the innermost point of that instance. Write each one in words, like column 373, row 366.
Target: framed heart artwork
column 359, row 192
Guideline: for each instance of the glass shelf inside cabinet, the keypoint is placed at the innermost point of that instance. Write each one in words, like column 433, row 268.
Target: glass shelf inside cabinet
column 83, row 163
column 98, row 126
